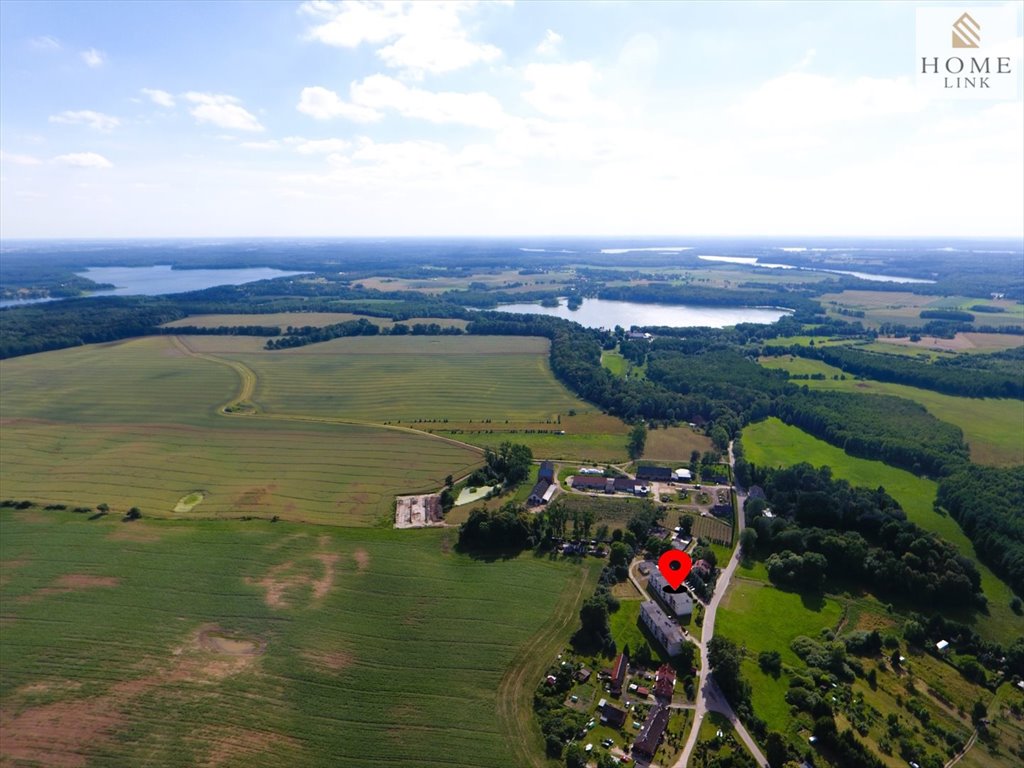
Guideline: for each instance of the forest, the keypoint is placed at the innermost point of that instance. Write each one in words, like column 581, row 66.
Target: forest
column 825, row 529
column 988, row 503
column 972, row 376
column 897, row 431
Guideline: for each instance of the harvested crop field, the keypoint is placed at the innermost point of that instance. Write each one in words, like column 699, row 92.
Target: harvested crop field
column 301, row 319
column 183, row 660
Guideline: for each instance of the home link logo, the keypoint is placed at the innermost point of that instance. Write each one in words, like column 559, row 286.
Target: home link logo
column 966, row 32
column 970, row 55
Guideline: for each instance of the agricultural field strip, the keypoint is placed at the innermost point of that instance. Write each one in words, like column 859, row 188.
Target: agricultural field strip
column 991, row 426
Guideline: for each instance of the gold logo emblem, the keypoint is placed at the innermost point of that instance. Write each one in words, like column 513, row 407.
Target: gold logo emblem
column 966, row 32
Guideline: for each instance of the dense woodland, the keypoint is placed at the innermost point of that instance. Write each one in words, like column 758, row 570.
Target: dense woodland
column 973, row 376
column 824, row 529
column 988, row 503
column 892, row 429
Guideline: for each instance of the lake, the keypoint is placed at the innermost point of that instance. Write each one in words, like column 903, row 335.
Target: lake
column 163, row 279
column 750, row 261
column 602, row 313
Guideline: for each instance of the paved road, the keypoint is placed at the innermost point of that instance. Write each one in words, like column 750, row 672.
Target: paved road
column 709, row 697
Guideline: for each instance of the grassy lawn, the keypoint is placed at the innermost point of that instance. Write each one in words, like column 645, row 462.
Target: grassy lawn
column 772, row 443
column 615, row 363
column 111, row 654
column 991, row 426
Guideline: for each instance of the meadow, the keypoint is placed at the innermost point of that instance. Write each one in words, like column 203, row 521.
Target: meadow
column 675, row 444
column 771, row 443
column 905, row 307
column 991, row 426
column 231, row 643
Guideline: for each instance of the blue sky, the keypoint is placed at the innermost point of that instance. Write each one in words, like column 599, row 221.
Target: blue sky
column 535, row 118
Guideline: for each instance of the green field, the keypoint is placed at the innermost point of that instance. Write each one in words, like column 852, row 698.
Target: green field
column 905, row 307
column 615, row 363
column 138, row 424
column 763, row 618
column 412, row 378
column 772, row 443
column 991, row 426
column 229, row 643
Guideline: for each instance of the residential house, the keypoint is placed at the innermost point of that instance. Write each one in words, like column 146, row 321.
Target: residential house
column 587, row 482
column 664, row 683
column 679, row 604
column 651, row 733
column 612, row 716
column 618, row 676
column 664, row 629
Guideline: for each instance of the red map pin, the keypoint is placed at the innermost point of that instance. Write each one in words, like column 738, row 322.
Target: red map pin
column 675, row 567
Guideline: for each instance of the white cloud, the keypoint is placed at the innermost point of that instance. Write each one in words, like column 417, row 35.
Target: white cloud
column 802, row 99
column 380, row 92
column 261, row 145
column 564, row 90
column 324, row 104
column 83, row 160
column 95, row 120
column 15, row 159
column 45, row 43
column 223, row 111
column 158, row 97
column 317, row 146
column 549, row 45
column 94, row 58
column 423, row 37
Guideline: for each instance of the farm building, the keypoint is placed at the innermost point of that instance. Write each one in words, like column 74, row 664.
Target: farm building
column 590, row 471
column 626, row 485
column 618, row 676
column 659, row 474
column 942, row 647
column 679, row 604
column 546, row 471
column 664, row 629
column 664, row 682
column 588, row 482
column 682, row 474
column 541, row 493
column 612, row 716
column 647, row 742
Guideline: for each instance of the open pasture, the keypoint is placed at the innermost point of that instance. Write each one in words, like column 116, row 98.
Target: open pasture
column 771, row 443
column 258, row 644
column 991, row 426
column 675, row 444
column 964, row 341
column 302, row 319
column 406, row 378
column 905, row 307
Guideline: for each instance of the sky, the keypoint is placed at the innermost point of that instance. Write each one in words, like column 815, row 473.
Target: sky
column 139, row 119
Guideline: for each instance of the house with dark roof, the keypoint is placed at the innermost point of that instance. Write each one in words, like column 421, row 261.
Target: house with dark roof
column 664, row 629
column 664, row 682
column 756, row 492
column 651, row 733
column 658, row 474
column 546, row 471
column 625, row 485
column 587, row 482
column 539, row 494
column 612, row 716
column 618, row 674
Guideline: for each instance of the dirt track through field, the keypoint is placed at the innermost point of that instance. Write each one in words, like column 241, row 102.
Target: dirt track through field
column 248, row 389
column 515, row 691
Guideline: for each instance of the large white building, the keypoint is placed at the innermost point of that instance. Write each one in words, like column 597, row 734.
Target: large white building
column 680, row 604
column 664, row 629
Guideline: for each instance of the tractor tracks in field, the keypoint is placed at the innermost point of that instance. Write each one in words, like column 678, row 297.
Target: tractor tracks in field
column 515, row 710
column 243, row 405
